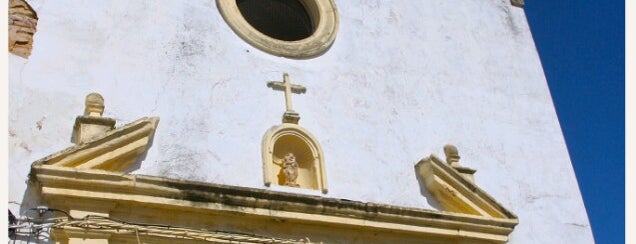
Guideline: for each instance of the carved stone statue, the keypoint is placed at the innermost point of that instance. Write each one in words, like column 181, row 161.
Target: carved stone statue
column 290, row 170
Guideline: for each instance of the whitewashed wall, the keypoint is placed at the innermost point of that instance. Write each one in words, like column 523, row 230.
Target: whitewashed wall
column 402, row 79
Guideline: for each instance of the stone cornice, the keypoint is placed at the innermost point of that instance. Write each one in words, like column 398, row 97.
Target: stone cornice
column 116, row 150
column 60, row 185
column 456, row 193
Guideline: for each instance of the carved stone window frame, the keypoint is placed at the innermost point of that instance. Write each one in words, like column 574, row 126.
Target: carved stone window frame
column 324, row 17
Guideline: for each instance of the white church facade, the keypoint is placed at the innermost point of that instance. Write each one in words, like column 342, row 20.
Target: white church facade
column 284, row 121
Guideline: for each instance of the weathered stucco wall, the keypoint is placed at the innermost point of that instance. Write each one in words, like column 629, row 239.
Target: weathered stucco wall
column 402, row 79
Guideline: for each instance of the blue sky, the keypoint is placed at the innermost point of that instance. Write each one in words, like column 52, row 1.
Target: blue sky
column 581, row 45
column 582, row 48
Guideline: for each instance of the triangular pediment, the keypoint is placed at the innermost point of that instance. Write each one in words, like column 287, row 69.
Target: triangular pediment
column 117, row 150
column 455, row 192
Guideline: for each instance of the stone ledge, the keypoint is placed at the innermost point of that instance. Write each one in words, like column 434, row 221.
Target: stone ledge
column 60, row 185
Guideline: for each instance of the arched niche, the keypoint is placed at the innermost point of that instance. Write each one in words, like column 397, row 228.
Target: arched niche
column 291, row 138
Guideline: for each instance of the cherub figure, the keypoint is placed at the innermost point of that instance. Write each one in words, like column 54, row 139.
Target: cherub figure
column 290, row 169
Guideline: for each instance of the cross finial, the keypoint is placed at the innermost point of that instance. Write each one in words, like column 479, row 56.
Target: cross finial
column 290, row 115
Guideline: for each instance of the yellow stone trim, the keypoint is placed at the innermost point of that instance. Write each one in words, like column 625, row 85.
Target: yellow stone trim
column 317, row 178
column 116, row 150
column 456, row 193
column 162, row 200
column 322, row 12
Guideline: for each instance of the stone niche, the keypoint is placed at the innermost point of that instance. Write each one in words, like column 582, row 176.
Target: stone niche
column 288, row 138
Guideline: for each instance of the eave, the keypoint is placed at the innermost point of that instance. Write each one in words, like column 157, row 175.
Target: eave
column 126, row 192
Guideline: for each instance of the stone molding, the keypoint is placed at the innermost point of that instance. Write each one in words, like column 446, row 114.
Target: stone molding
column 322, row 12
column 116, row 150
column 90, row 127
column 456, row 193
column 166, row 199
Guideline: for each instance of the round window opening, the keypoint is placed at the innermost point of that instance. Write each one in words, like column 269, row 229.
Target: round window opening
column 285, row 20
column 289, row 28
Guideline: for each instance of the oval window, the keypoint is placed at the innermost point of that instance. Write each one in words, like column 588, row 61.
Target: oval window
column 288, row 28
column 285, row 20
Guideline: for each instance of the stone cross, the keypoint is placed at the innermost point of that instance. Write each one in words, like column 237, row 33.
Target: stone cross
column 290, row 116
column 288, row 88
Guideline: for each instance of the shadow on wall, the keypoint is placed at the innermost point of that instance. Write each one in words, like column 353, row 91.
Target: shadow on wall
column 34, row 232
column 31, row 199
column 429, row 198
column 141, row 158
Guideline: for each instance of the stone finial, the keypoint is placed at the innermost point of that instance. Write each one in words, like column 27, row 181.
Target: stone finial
column 92, row 125
column 94, row 105
column 452, row 158
column 452, row 155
